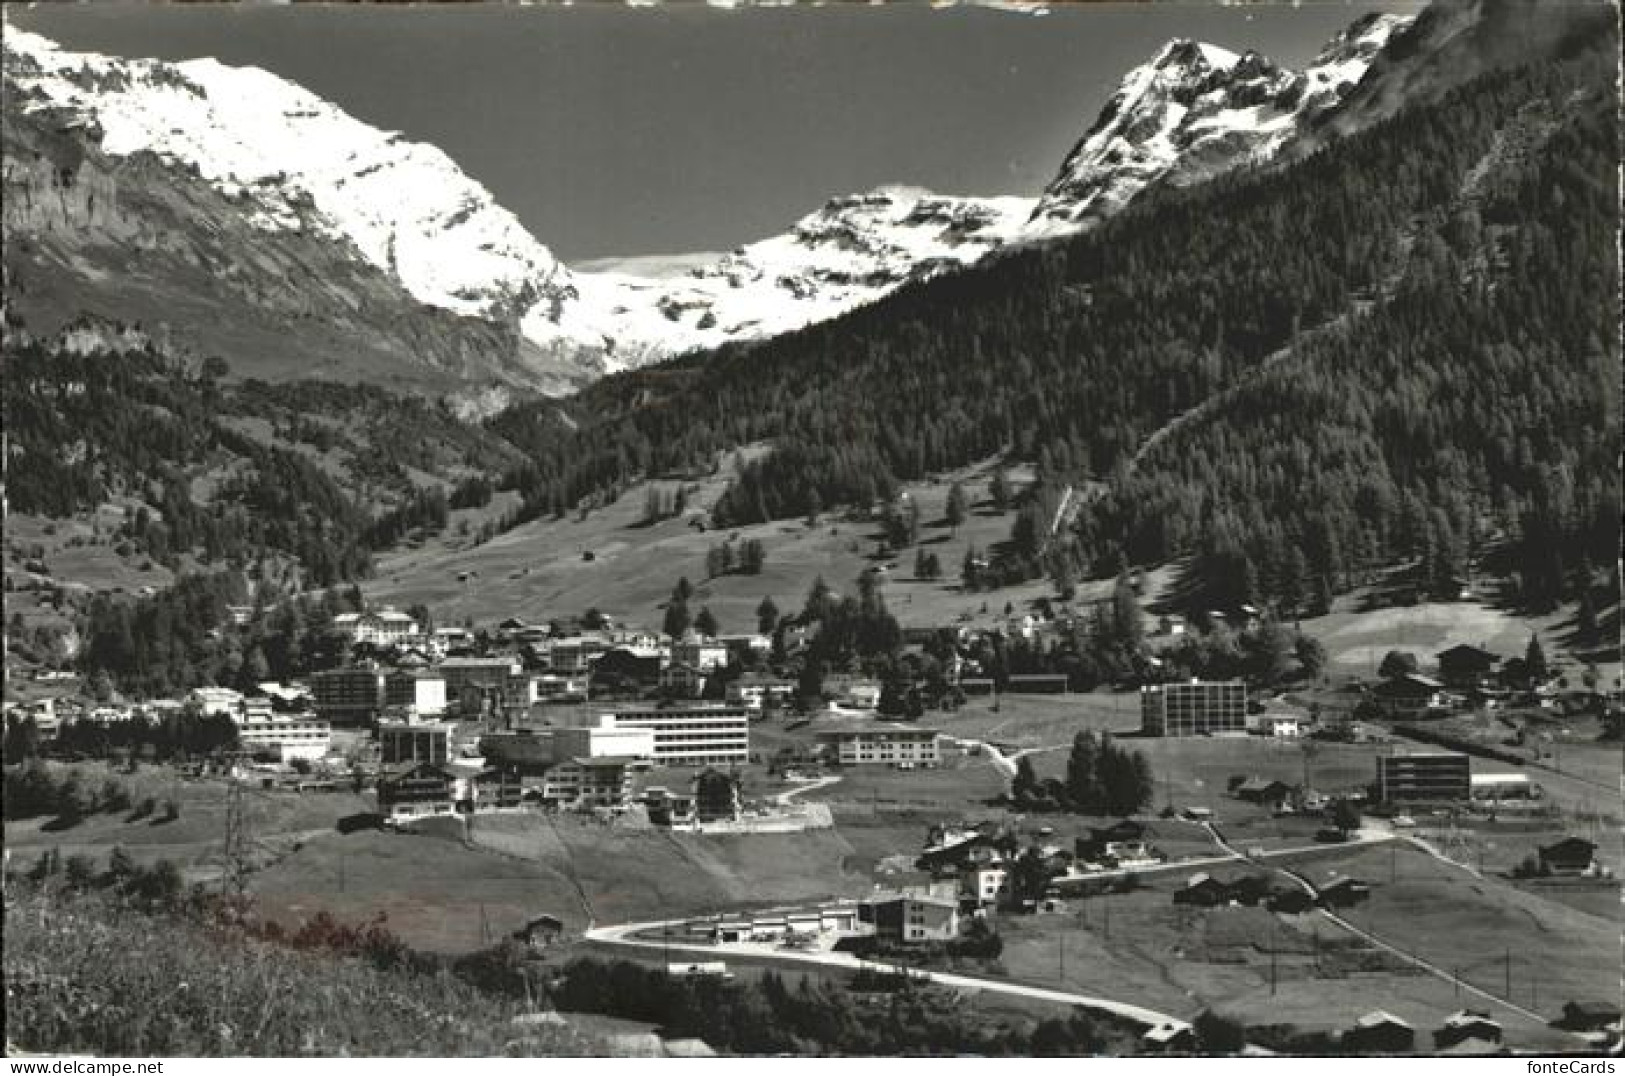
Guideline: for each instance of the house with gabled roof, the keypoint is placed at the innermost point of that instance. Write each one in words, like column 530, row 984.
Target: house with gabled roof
column 1379, row 1032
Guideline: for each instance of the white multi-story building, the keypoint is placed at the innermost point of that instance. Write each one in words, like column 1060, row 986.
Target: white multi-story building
column 387, row 627
column 605, row 740
column 420, row 691
column 883, row 744
column 217, row 700
column 695, row 735
column 284, row 736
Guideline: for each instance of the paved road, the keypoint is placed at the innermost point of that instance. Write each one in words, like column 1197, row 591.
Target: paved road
column 787, row 795
column 622, row 936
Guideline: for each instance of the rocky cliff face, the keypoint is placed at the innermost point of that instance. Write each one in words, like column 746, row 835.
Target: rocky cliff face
column 134, row 239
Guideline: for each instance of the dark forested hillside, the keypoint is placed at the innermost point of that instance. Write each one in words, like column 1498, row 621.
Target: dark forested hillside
column 1403, row 346
column 216, row 472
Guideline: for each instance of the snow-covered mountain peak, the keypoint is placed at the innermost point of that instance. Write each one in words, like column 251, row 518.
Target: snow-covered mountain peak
column 290, row 163
column 298, row 162
column 1196, row 110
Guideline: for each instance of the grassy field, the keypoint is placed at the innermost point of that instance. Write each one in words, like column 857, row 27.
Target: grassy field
column 435, row 893
column 1247, row 963
column 1474, row 925
column 1356, row 640
column 1195, row 772
column 626, row 874
column 539, row 570
column 194, row 840
column 1029, row 721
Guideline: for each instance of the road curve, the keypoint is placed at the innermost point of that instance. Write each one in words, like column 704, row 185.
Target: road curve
column 622, row 936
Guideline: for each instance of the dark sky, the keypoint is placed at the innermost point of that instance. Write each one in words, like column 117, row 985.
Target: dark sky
column 611, row 130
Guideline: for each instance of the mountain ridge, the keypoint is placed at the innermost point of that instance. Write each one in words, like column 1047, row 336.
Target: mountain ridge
column 301, row 171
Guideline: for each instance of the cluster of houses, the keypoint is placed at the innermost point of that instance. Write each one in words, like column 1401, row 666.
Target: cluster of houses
column 607, row 763
column 977, row 863
column 275, row 722
column 1210, row 889
column 1470, row 677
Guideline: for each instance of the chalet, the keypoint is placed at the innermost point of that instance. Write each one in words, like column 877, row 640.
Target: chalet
column 628, row 664
column 668, row 808
column 1250, row 889
column 1409, row 695
column 956, row 851
column 1344, row 893
column 1203, row 890
column 540, row 932
column 1467, row 1026
column 1275, row 725
column 1590, row 1016
column 497, row 788
column 416, row 790
column 1170, row 1037
column 1267, row 791
column 1571, row 857
column 680, row 680
column 1466, row 666
column 716, row 796
column 1379, row 1032
column 1289, row 900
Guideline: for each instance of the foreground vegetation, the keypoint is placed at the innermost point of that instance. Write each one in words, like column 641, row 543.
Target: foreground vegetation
column 101, row 972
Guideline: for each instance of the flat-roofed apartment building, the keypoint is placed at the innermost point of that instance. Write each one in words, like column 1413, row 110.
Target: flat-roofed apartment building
column 421, row 691
column 883, row 744
column 284, row 737
column 1193, row 708
column 1424, row 776
column 694, row 735
column 403, row 742
column 353, row 696
column 476, row 687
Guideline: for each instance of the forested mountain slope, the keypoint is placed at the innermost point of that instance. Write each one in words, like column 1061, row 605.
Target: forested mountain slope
column 215, row 472
column 1438, row 292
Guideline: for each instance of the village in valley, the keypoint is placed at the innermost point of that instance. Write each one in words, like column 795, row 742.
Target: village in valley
column 1306, row 850
column 504, row 559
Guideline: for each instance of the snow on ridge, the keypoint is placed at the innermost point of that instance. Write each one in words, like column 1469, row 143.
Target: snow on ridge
column 1196, row 110
column 298, row 162
column 301, row 162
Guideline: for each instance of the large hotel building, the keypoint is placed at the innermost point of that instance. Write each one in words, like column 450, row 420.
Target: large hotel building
column 1193, row 708
column 696, row 735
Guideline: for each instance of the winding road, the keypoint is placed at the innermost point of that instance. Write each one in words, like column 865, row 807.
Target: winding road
column 623, row 936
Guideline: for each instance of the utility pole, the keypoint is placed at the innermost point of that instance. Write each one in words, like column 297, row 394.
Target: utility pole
column 235, row 878
column 1272, row 957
